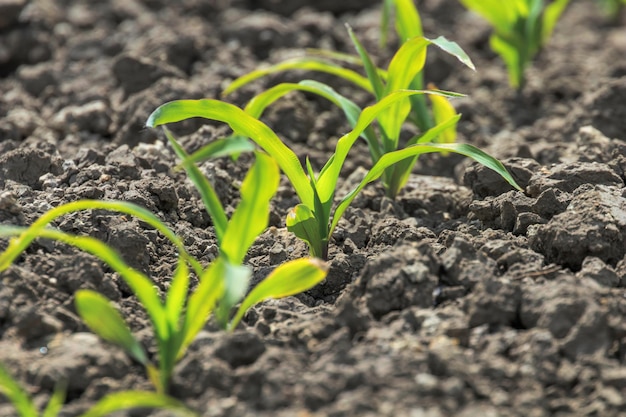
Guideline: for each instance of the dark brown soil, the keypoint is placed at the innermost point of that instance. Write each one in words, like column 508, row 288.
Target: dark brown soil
column 461, row 298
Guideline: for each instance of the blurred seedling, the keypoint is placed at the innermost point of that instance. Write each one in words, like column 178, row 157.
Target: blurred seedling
column 520, row 29
column 118, row 401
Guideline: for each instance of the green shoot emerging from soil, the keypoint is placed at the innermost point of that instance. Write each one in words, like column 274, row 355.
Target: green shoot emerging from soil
column 222, row 285
column 521, row 28
column 124, row 400
column 314, row 220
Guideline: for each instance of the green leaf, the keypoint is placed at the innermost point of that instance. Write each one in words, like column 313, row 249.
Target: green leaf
column 202, row 302
column 408, row 22
column 237, row 279
column 511, row 57
column 97, row 312
column 370, row 69
column 252, row 214
column 385, row 16
column 17, row 245
column 303, row 223
column 127, row 400
column 176, row 295
column 257, row 105
column 500, row 14
column 209, row 197
column 288, row 279
column 141, row 285
column 453, row 49
column 443, row 111
column 404, row 66
column 305, row 64
column 418, row 149
column 230, row 146
column 55, row 404
column 16, row 395
column 243, row 124
column 550, row 16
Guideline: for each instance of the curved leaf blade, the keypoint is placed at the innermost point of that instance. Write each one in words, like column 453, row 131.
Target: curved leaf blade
column 16, row 395
column 394, row 157
column 288, row 279
column 243, row 124
column 305, row 64
column 252, row 214
column 127, row 400
column 97, row 312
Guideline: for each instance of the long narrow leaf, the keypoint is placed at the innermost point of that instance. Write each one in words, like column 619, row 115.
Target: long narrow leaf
column 237, row 281
column 305, row 64
column 176, row 295
column 394, row 157
column 550, row 16
column 55, row 404
column 17, row 245
column 127, row 400
column 16, row 395
column 405, row 65
column 257, row 105
column 370, row 69
column 453, row 48
column 243, row 124
column 408, row 22
column 252, row 214
column 202, row 301
column 97, row 312
column 209, row 197
column 288, row 279
column 230, row 146
column 141, row 285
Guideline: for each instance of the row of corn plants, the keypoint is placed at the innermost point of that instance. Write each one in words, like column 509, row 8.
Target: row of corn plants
column 222, row 291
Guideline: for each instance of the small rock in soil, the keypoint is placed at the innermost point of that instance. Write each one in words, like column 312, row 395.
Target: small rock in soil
column 568, row 177
column 138, row 73
column 27, row 165
column 240, row 349
column 80, row 359
column 594, row 224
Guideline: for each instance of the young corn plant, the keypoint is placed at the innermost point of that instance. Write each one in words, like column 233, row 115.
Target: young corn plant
column 118, row 401
column 404, row 72
column 315, row 218
column 177, row 320
column 521, row 28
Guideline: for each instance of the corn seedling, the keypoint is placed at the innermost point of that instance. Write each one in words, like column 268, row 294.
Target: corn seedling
column 314, row 220
column 521, row 28
column 404, row 72
column 124, row 400
column 178, row 319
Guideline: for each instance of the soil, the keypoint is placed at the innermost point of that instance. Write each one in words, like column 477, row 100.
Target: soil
column 460, row 298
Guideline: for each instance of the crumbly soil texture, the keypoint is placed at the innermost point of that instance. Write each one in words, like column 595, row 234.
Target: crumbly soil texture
column 462, row 297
